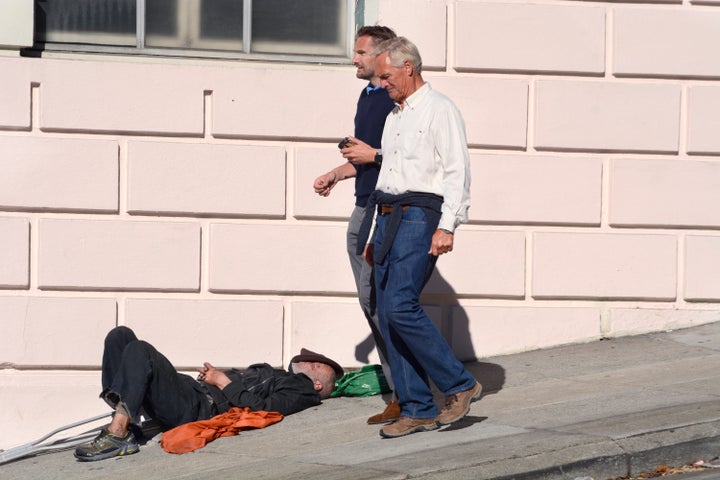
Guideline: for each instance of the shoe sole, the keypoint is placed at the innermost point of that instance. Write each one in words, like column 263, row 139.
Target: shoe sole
column 382, row 422
column 125, row 451
column 476, row 396
column 415, row 429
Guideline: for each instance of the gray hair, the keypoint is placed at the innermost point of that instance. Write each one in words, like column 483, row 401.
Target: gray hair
column 400, row 50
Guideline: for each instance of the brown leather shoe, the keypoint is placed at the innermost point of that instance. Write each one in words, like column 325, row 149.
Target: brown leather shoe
column 390, row 414
column 406, row 425
column 458, row 405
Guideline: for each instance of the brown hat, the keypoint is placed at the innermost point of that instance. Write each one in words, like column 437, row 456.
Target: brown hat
column 310, row 356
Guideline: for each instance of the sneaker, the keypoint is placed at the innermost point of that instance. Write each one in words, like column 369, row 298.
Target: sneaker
column 107, row 445
column 458, row 405
column 406, row 425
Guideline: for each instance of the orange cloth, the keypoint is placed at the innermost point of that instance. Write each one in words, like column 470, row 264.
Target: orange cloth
column 191, row 436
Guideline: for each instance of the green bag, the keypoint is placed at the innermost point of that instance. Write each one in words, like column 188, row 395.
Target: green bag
column 369, row 380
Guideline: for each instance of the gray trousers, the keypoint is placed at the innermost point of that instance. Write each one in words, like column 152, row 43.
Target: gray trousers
column 365, row 284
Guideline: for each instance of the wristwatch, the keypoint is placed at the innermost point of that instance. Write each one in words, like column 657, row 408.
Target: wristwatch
column 378, row 157
column 447, row 231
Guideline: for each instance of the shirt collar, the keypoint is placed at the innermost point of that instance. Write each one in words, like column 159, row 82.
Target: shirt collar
column 372, row 88
column 417, row 96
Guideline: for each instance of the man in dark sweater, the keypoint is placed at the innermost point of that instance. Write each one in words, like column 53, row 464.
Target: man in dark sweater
column 135, row 377
column 363, row 159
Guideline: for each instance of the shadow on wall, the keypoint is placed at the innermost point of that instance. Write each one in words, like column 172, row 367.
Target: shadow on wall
column 456, row 329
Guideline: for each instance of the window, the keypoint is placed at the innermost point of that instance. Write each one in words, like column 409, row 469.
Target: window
column 313, row 30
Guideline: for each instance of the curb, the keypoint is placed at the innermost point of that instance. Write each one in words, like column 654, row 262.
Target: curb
column 613, row 466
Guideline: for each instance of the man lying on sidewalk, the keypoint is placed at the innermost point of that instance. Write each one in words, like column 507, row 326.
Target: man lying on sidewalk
column 135, row 377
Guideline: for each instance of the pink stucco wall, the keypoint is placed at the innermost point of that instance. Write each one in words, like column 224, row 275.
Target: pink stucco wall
column 176, row 196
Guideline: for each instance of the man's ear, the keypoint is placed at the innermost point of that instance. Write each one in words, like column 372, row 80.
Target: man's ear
column 409, row 68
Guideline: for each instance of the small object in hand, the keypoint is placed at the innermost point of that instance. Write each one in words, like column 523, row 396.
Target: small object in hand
column 345, row 142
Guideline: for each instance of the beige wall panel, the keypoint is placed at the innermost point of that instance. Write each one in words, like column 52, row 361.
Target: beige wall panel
column 482, row 263
column 16, row 23
column 664, row 193
column 494, row 109
column 58, row 174
column 524, row 37
column 14, row 253
column 226, row 333
column 535, row 189
column 703, row 123
column 339, row 330
column 212, row 179
column 55, row 331
column 15, row 94
column 479, row 332
column 607, row 116
column 425, row 26
column 702, row 264
column 605, row 266
column 279, row 258
column 292, row 103
column 310, row 163
column 121, row 97
column 635, row 321
column 336, row 329
column 666, row 42
column 118, row 255
column 74, row 396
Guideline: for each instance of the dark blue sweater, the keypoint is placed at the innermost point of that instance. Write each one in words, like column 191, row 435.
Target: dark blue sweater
column 372, row 110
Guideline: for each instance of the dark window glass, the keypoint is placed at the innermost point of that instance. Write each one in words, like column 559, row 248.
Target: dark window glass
column 298, row 26
column 102, row 22
column 221, row 19
column 161, row 17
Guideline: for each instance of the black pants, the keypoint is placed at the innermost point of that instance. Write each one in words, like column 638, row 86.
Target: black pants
column 136, row 375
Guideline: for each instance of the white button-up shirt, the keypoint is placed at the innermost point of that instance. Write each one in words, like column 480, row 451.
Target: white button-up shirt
column 424, row 149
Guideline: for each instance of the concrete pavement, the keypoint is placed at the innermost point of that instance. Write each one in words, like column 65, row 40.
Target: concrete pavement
column 603, row 409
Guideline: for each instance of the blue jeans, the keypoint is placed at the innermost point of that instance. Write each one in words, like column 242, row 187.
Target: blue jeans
column 416, row 350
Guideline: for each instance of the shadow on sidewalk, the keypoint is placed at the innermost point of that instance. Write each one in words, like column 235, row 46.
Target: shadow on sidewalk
column 490, row 375
column 466, row 422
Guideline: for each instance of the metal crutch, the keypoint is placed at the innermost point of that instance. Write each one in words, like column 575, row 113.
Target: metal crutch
column 35, row 447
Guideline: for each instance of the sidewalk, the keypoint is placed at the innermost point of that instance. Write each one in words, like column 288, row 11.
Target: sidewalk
column 601, row 410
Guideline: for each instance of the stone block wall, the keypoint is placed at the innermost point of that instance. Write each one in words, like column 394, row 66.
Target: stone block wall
column 175, row 196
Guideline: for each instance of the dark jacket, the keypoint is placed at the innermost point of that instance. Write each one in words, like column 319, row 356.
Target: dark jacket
column 262, row 387
column 372, row 110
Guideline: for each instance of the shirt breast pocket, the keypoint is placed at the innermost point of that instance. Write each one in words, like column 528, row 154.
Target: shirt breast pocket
column 419, row 145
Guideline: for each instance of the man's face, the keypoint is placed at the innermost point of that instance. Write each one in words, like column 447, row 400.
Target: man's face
column 312, row 369
column 362, row 59
column 396, row 80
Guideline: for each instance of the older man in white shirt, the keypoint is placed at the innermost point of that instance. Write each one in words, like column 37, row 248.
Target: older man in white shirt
column 422, row 195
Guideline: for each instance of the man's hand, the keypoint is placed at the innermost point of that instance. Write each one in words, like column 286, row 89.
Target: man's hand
column 369, row 253
column 324, row 183
column 358, row 152
column 442, row 242
column 213, row 376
